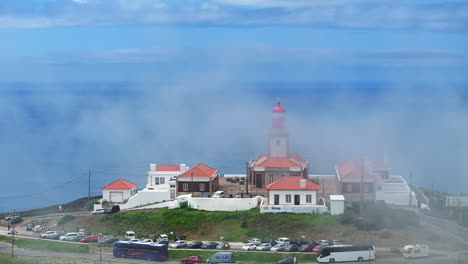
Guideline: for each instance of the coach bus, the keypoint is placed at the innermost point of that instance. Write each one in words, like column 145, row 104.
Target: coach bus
column 339, row 253
column 127, row 249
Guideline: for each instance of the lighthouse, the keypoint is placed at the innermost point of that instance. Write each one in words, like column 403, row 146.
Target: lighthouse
column 278, row 146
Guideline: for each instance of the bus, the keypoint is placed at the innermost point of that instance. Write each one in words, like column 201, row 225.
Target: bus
column 127, row 249
column 336, row 253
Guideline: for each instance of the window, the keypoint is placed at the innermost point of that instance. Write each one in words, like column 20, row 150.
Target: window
column 202, row 187
column 185, row 187
column 288, row 198
column 156, row 181
column 271, row 178
column 308, row 198
column 173, row 186
column 349, row 188
column 161, row 180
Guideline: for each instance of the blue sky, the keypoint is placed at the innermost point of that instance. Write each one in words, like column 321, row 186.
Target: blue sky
column 113, row 85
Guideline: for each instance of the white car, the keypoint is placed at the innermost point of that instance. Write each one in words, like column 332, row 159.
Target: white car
column 147, row 241
column 178, row 244
column 98, row 211
column 256, row 241
column 218, row 194
column 69, row 236
column 282, row 241
column 134, row 240
column 249, row 246
column 49, row 234
column 263, row 247
column 276, row 247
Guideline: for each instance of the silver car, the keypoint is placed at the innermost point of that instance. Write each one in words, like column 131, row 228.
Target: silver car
column 178, row 244
column 263, row 247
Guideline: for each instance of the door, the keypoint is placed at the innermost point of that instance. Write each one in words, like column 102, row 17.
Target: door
column 259, row 180
column 276, row 198
column 116, row 197
column 297, row 199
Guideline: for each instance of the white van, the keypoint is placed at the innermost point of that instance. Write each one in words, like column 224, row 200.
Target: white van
column 129, row 235
column 163, row 237
column 282, row 241
column 218, row 194
column 416, row 251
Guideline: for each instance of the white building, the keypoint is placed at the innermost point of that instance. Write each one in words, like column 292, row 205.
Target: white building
column 160, row 186
column 337, row 204
column 456, row 201
column 293, row 194
column 395, row 190
column 118, row 191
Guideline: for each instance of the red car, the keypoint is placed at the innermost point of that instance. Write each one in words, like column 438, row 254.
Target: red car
column 307, row 247
column 89, row 239
column 317, row 248
column 192, row 259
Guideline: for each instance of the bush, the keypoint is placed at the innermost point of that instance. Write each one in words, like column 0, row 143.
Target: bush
column 385, row 235
column 244, row 224
column 184, row 205
column 65, row 219
column 16, row 221
column 89, row 206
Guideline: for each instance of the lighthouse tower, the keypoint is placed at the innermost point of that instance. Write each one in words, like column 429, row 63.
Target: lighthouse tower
column 278, row 134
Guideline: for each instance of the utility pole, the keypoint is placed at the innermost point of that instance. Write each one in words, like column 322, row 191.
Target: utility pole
column 411, row 183
column 191, row 184
column 361, row 198
column 89, row 185
column 13, row 240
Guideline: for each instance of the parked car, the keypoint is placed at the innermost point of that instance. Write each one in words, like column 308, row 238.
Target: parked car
column 89, row 239
column 192, row 259
column 147, row 240
column 247, row 196
column 239, row 195
column 276, row 247
column 134, row 240
column 288, row 261
column 228, row 196
column 249, row 246
column 263, row 247
column 283, row 241
column 29, row 227
column 179, row 237
column 195, row 244
column 271, row 241
column 11, row 217
column 110, row 240
column 218, row 194
column 98, row 211
column 163, row 242
column 48, row 234
column 178, row 244
column 112, row 209
column 317, row 248
column 223, row 246
column 78, row 238
column 323, row 242
column 221, row 257
column 255, row 241
column 334, row 242
column 209, row 245
column 241, row 181
column 206, row 195
column 289, row 248
column 69, row 236
column 307, row 247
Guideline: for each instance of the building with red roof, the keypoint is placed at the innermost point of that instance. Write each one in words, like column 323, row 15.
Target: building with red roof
column 278, row 162
column 198, row 180
column 163, row 178
column 118, row 191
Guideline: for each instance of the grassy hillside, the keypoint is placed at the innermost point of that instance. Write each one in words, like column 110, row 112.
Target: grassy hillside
column 232, row 226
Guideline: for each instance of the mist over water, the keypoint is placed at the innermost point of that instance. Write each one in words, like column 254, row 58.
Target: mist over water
column 53, row 133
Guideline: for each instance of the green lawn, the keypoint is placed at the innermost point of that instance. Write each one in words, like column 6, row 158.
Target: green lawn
column 244, row 256
column 40, row 244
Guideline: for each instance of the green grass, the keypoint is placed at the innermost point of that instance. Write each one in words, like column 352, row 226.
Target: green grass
column 244, row 256
column 39, row 244
column 213, row 225
column 8, row 259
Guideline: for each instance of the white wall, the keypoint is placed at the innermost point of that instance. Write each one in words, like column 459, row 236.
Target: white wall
column 298, row 209
column 126, row 194
column 336, row 207
column 145, row 197
column 224, row 204
column 282, row 196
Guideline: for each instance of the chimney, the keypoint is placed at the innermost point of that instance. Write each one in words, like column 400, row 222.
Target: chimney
column 183, row 168
column 152, row 167
column 302, row 184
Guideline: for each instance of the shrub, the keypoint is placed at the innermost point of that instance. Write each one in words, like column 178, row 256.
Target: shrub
column 244, row 224
column 16, row 221
column 385, row 235
column 65, row 219
column 184, row 205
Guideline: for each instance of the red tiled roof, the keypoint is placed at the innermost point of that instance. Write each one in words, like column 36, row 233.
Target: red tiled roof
column 167, row 168
column 263, row 155
column 199, row 170
column 119, row 184
column 278, row 162
column 296, row 157
column 352, row 169
column 292, row 183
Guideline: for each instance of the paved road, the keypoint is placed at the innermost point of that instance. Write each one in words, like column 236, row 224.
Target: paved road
column 447, row 225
